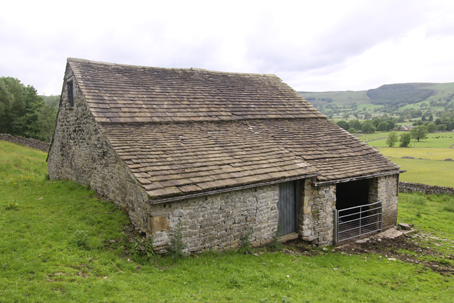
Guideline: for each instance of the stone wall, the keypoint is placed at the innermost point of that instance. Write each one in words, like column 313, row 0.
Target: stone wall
column 385, row 189
column 32, row 143
column 316, row 213
column 218, row 221
column 81, row 153
column 408, row 187
column 316, row 216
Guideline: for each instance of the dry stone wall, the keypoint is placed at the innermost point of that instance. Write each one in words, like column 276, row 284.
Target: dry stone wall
column 218, row 221
column 408, row 187
column 32, row 143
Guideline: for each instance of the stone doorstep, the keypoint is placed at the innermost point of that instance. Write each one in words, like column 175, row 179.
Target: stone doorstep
column 390, row 233
column 288, row 237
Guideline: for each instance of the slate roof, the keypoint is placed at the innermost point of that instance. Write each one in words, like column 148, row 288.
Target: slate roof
column 190, row 132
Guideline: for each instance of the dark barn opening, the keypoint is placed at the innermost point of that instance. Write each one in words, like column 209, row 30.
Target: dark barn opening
column 356, row 214
column 351, row 194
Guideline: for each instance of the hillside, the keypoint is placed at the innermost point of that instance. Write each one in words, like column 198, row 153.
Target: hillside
column 60, row 243
column 392, row 99
column 400, row 93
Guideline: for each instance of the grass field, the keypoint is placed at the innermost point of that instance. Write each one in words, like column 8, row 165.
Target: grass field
column 343, row 97
column 427, row 167
column 60, row 243
column 21, row 163
column 430, row 172
column 373, row 136
column 436, row 140
column 423, row 153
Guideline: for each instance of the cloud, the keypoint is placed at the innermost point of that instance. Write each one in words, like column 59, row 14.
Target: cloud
column 358, row 30
column 317, row 45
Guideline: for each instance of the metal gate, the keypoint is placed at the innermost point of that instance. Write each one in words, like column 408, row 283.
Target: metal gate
column 287, row 208
column 355, row 221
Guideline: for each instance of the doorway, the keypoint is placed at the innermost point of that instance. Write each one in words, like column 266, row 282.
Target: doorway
column 288, row 207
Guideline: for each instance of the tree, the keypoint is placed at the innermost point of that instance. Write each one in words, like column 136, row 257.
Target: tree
column 376, row 122
column 367, row 127
column 391, row 124
column 351, row 130
column 19, row 106
column 392, row 139
column 419, row 132
column 12, row 103
column 431, row 127
column 343, row 124
column 355, row 124
column 47, row 116
column 383, row 126
column 23, row 112
column 405, row 139
column 442, row 127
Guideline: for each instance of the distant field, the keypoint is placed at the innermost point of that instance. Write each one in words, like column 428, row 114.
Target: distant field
column 432, row 172
column 341, row 97
column 423, row 153
column 373, row 136
column 444, row 140
column 442, row 90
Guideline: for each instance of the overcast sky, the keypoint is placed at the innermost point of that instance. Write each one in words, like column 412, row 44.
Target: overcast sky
column 311, row 45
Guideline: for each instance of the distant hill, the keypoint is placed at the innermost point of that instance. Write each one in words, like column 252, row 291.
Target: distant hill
column 407, row 93
column 388, row 98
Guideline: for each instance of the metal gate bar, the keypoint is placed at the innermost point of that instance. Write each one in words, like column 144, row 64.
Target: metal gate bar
column 356, row 221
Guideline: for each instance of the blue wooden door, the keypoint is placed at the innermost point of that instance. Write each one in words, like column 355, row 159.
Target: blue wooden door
column 287, row 208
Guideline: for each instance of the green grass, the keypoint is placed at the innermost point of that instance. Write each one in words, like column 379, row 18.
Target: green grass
column 373, row 136
column 341, row 98
column 41, row 262
column 60, row 243
column 430, row 172
column 437, row 140
column 443, row 91
column 434, row 215
column 21, row 163
column 423, row 153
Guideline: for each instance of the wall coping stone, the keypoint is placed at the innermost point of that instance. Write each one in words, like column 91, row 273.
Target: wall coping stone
column 408, row 187
column 32, row 143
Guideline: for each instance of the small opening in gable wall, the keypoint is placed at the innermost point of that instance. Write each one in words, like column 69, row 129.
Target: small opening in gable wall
column 69, row 85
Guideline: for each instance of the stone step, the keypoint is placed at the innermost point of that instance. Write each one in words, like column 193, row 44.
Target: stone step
column 288, row 237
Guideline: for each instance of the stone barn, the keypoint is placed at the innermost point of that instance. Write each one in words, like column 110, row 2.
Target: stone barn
column 224, row 153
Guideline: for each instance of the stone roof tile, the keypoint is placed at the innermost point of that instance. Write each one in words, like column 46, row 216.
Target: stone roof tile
column 127, row 94
column 205, row 156
column 187, row 131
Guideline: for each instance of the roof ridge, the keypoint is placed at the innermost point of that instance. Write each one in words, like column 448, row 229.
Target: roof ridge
column 194, row 69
